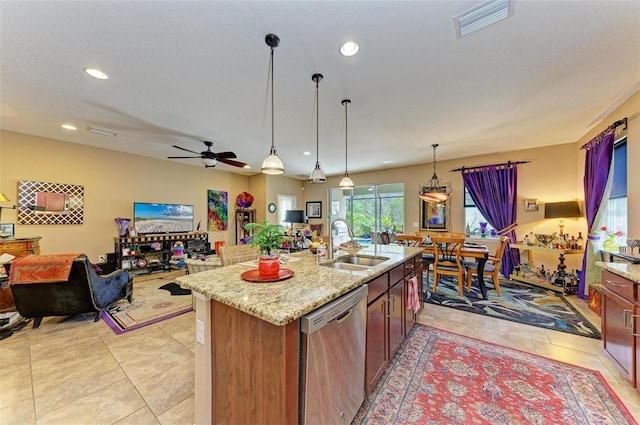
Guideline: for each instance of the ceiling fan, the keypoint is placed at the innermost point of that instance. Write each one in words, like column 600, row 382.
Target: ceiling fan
column 209, row 158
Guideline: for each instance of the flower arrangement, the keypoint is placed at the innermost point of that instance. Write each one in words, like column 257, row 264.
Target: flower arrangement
column 609, row 232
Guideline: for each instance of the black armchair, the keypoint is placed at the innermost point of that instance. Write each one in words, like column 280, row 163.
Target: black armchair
column 83, row 292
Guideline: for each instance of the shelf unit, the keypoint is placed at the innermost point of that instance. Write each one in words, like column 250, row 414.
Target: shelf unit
column 543, row 282
column 156, row 250
column 244, row 216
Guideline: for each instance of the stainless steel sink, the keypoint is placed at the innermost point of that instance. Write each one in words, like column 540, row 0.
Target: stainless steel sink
column 361, row 260
column 345, row 266
column 355, row 262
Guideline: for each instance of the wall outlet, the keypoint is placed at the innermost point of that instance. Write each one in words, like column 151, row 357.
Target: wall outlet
column 200, row 332
column 102, row 258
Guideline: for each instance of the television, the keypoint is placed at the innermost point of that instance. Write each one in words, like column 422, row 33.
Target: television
column 162, row 218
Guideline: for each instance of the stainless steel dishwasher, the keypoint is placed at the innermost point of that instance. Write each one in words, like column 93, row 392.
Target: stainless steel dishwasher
column 332, row 360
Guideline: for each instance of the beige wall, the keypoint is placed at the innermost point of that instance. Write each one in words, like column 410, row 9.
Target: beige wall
column 112, row 182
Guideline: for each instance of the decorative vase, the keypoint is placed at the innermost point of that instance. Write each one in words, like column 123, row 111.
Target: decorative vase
column 483, row 229
column 269, row 267
column 123, row 226
column 611, row 244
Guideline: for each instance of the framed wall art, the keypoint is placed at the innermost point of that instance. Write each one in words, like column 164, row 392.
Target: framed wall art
column 7, row 230
column 434, row 216
column 314, row 209
column 50, row 203
column 217, row 210
column 531, row 205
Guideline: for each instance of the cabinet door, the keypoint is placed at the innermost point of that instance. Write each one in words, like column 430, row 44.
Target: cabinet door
column 636, row 347
column 617, row 340
column 376, row 353
column 396, row 307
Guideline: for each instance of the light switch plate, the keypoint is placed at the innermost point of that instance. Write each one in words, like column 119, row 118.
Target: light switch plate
column 200, row 332
column 415, row 224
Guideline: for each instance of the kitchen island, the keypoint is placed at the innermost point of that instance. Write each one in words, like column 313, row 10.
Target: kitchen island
column 248, row 334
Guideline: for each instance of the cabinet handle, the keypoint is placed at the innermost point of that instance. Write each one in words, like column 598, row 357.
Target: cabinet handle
column 624, row 319
column 409, row 266
column 634, row 317
column 387, row 312
column 612, row 283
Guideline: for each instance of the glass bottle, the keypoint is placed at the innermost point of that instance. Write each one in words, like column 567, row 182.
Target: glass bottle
column 580, row 241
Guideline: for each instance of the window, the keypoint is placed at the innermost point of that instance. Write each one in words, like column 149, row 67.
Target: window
column 473, row 218
column 285, row 203
column 615, row 214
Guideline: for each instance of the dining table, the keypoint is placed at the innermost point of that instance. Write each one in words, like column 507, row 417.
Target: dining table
column 479, row 252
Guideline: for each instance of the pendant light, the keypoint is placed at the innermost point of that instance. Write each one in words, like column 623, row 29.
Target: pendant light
column 272, row 163
column 346, row 183
column 435, row 191
column 317, row 175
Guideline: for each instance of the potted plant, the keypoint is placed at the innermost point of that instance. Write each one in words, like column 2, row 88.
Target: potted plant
column 268, row 237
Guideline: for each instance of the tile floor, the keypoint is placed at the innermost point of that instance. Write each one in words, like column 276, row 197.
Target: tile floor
column 74, row 371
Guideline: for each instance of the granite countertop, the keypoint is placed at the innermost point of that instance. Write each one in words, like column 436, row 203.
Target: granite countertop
column 626, row 270
column 312, row 285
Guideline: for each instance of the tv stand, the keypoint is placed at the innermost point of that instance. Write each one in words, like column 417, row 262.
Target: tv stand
column 151, row 253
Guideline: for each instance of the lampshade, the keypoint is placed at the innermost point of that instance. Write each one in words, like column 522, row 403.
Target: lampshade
column 346, row 183
column 317, row 175
column 295, row 216
column 434, row 191
column 209, row 162
column 562, row 209
column 272, row 163
column 3, row 197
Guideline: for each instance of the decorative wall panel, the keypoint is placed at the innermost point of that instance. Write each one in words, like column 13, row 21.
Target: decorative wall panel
column 50, row 203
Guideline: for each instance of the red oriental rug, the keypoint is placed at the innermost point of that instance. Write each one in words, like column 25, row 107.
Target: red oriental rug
column 41, row 268
column 442, row 378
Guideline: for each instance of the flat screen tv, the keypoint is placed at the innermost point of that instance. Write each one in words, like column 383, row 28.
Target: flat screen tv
column 162, row 218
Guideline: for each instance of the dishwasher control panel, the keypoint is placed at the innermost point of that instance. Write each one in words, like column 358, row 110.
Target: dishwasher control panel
column 332, row 311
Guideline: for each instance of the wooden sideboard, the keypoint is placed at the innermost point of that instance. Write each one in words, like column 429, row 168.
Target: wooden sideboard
column 18, row 247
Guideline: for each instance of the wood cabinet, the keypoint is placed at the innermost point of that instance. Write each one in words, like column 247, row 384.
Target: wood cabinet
column 387, row 319
column 620, row 332
column 18, row 247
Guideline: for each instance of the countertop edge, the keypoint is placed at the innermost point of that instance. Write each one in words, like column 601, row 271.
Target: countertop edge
column 628, row 271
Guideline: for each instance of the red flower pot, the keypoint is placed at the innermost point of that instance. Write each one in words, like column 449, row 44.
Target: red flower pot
column 269, row 267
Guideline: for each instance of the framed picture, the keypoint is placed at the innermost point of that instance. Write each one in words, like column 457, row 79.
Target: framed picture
column 7, row 230
column 434, row 216
column 531, row 205
column 314, row 209
column 133, row 232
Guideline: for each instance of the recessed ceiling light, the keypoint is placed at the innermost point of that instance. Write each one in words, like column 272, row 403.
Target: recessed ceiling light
column 349, row 48
column 387, row 162
column 306, row 153
column 69, row 127
column 96, row 73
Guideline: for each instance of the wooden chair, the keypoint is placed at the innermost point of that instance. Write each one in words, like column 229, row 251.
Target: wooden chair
column 409, row 240
column 492, row 266
column 385, row 238
column 233, row 254
column 428, row 259
column 448, row 260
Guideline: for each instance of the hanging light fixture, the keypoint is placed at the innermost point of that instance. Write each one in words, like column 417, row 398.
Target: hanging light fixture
column 435, row 191
column 346, row 183
column 317, row 175
column 272, row 163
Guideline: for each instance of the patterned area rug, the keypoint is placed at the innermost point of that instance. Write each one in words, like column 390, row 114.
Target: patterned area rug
column 152, row 303
column 522, row 303
column 442, row 378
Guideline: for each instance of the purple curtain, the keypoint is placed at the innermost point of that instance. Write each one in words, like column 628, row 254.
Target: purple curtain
column 493, row 189
column 596, row 173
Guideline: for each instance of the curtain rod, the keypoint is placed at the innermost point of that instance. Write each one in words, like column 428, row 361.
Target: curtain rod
column 613, row 126
column 491, row 165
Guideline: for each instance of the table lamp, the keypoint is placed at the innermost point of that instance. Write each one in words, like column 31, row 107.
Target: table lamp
column 561, row 210
column 3, row 198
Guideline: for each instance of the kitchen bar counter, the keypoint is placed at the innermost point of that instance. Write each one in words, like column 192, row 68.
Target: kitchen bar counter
column 248, row 334
column 311, row 287
column 626, row 270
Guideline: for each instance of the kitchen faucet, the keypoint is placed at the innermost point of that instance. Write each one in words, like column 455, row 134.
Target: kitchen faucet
column 350, row 232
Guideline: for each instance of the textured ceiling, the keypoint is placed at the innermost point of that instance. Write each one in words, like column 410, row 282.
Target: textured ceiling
column 181, row 72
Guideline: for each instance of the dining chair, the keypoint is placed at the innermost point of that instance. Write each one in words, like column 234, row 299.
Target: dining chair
column 448, row 260
column 492, row 266
column 428, row 258
column 233, row 254
column 409, row 240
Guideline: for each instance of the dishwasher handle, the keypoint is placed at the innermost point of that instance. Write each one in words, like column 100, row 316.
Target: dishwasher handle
column 336, row 310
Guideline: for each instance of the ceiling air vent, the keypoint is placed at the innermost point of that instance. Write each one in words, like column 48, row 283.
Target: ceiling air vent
column 482, row 16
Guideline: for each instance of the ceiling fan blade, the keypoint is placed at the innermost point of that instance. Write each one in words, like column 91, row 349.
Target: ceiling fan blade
column 232, row 162
column 184, row 149
column 182, row 157
column 226, row 155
